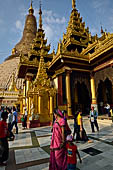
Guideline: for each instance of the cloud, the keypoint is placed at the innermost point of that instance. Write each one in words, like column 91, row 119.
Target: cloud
column 99, row 4
column 49, row 17
column 36, row 12
column 49, row 32
column 19, row 25
column 52, row 18
column 53, row 25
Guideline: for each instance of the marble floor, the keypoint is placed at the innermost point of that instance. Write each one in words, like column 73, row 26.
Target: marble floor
column 30, row 150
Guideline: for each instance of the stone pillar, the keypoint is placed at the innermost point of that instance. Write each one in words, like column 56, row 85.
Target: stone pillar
column 93, row 92
column 68, row 93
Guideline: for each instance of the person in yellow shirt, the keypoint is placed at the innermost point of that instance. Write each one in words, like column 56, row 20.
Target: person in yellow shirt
column 81, row 135
column 111, row 112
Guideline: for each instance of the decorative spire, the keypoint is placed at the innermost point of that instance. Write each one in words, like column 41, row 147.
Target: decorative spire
column 31, row 10
column 102, row 30
column 42, row 77
column 40, row 17
column 73, row 4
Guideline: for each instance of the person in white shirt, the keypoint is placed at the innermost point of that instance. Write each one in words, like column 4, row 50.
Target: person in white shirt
column 93, row 119
column 9, row 121
column 15, row 120
column 107, row 107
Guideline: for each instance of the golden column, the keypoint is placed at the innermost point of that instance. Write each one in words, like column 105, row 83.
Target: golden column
column 24, row 96
column 28, row 98
column 51, row 94
column 68, row 93
column 39, row 104
column 51, row 107
column 92, row 82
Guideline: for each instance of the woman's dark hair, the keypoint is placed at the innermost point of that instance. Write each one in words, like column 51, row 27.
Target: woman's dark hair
column 55, row 111
column 9, row 110
column 4, row 115
column 76, row 114
column 58, row 112
column 14, row 109
column 79, row 110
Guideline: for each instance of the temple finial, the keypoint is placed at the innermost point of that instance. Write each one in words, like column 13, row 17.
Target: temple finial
column 73, row 4
column 40, row 17
column 102, row 30
column 31, row 10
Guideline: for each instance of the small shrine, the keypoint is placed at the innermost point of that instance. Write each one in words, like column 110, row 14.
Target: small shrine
column 42, row 95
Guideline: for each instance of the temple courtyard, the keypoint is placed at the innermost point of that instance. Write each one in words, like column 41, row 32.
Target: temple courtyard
column 30, row 149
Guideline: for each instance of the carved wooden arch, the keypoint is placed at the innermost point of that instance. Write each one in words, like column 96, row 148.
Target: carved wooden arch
column 86, row 82
column 103, row 75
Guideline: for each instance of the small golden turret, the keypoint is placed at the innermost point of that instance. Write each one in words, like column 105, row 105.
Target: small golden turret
column 40, row 17
column 31, row 10
column 13, row 51
column 73, row 4
column 102, row 31
column 12, row 86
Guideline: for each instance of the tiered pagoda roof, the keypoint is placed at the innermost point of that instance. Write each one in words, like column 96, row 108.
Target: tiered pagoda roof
column 77, row 36
column 79, row 50
column 30, row 63
column 40, row 38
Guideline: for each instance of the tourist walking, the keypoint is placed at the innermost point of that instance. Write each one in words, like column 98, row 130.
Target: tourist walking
column 107, row 107
column 111, row 112
column 67, row 128
column 9, row 121
column 25, row 119
column 81, row 133
column 15, row 120
column 4, row 148
column 75, row 125
column 93, row 119
column 72, row 153
column 58, row 155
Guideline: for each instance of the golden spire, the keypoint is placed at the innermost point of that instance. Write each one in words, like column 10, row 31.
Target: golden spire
column 31, row 10
column 42, row 76
column 73, row 4
column 40, row 17
column 102, row 30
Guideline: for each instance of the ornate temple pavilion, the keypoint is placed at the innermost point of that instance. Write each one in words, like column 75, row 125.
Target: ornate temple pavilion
column 78, row 75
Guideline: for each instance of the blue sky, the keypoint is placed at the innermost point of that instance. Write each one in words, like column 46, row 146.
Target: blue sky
column 55, row 19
